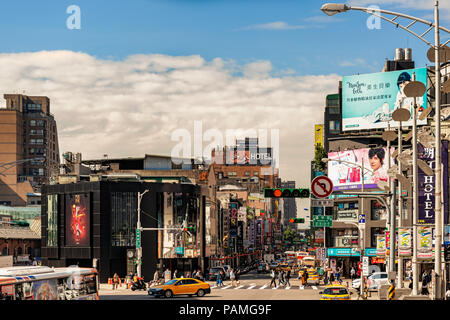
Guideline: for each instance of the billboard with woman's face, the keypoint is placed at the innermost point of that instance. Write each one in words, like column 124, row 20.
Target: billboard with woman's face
column 368, row 100
column 78, row 220
column 345, row 168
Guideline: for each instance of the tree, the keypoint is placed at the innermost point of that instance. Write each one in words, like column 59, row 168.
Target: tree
column 290, row 235
column 318, row 156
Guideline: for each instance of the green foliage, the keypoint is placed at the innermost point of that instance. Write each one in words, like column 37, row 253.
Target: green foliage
column 318, row 156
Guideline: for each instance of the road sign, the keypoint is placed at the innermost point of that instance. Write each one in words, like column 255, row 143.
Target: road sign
column 365, row 266
column 362, row 218
column 322, row 203
column 138, row 238
column 360, row 266
column 322, row 221
column 321, row 186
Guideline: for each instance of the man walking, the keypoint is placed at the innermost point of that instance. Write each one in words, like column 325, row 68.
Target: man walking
column 274, row 278
column 288, row 276
column 232, row 278
column 280, row 277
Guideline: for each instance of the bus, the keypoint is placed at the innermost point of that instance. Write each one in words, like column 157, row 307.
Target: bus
column 45, row 283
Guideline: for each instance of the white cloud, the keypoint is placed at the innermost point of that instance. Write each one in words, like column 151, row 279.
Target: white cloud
column 277, row 25
column 131, row 107
column 353, row 63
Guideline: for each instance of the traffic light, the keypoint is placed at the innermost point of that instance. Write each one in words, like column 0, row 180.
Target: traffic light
column 189, row 229
column 286, row 193
column 297, row 220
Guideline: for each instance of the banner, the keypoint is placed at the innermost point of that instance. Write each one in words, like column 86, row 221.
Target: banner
column 368, row 100
column 424, row 243
column 404, row 237
column 381, row 246
column 427, row 184
column 345, row 168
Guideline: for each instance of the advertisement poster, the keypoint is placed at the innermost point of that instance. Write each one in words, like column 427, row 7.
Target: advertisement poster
column 427, row 184
column 447, row 235
column 424, row 243
column 45, row 290
column 344, row 168
column 78, row 220
column 368, row 100
column 381, row 246
column 404, row 237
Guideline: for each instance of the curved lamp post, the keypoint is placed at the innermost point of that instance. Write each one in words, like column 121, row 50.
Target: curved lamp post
column 439, row 49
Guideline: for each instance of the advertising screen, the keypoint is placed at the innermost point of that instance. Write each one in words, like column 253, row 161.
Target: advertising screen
column 368, row 100
column 345, row 168
column 45, row 290
column 77, row 220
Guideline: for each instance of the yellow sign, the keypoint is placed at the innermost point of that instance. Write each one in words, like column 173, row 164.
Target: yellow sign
column 318, row 135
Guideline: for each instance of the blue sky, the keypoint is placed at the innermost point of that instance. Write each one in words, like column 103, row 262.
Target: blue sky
column 153, row 67
column 295, row 36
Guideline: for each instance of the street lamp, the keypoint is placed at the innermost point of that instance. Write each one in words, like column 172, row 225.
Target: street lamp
column 139, row 227
column 438, row 48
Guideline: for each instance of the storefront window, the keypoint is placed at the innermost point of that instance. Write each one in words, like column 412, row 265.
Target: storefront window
column 378, row 211
column 374, row 232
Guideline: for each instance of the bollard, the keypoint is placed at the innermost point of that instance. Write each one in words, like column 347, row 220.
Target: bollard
column 391, row 292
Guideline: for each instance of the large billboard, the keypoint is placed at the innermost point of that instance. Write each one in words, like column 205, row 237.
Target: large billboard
column 345, row 167
column 78, row 220
column 368, row 100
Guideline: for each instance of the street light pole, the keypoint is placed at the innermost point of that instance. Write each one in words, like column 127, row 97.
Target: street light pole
column 139, row 227
column 437, row 199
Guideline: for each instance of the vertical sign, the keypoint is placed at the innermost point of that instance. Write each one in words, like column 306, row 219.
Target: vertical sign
column 427, row 184
column 318, row 135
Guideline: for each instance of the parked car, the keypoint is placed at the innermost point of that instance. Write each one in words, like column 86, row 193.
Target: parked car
column 261, row 267
column 188, row 286
column 213, row 271
column 374, row 281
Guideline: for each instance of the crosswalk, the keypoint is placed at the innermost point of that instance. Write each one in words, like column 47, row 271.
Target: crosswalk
column 254, row 286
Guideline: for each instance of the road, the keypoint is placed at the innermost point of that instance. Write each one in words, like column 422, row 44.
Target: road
column 253, row 286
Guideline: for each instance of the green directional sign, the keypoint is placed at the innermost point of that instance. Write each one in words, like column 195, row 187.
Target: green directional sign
column 322, row 221
column 138, row 238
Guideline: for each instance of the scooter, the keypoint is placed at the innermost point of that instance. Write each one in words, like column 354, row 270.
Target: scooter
column 139, row 285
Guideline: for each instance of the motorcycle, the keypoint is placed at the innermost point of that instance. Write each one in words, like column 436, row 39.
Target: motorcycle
column 138, row 285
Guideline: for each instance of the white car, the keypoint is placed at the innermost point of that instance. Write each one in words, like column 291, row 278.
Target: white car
column 374, row 281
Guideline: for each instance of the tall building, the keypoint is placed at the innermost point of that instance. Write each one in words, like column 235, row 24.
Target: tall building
column 27, row 131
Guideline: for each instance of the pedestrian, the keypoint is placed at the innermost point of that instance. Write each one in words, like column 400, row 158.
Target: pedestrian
column 175, row 274
column 273, row 276
column 222, row 277
column 304, row 277
column 218, row 279
column 232, row 277
column 325, row 277
column 338, row 274
column 353, row 273
column 237, row 275
column 425, row 291
column 280, row 277
column 288, row 276
column 115, row 281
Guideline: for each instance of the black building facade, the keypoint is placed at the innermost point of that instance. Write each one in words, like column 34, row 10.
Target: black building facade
column 94, row 224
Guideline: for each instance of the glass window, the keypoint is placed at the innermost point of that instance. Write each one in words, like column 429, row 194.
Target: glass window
column 123, row 218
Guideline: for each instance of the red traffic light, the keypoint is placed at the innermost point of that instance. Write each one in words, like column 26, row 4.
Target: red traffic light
column 291, row 220
column 277, row 193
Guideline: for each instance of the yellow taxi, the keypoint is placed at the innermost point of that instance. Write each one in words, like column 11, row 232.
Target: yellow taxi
column 313, row 276
column 335, row 291
column 183, row 286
